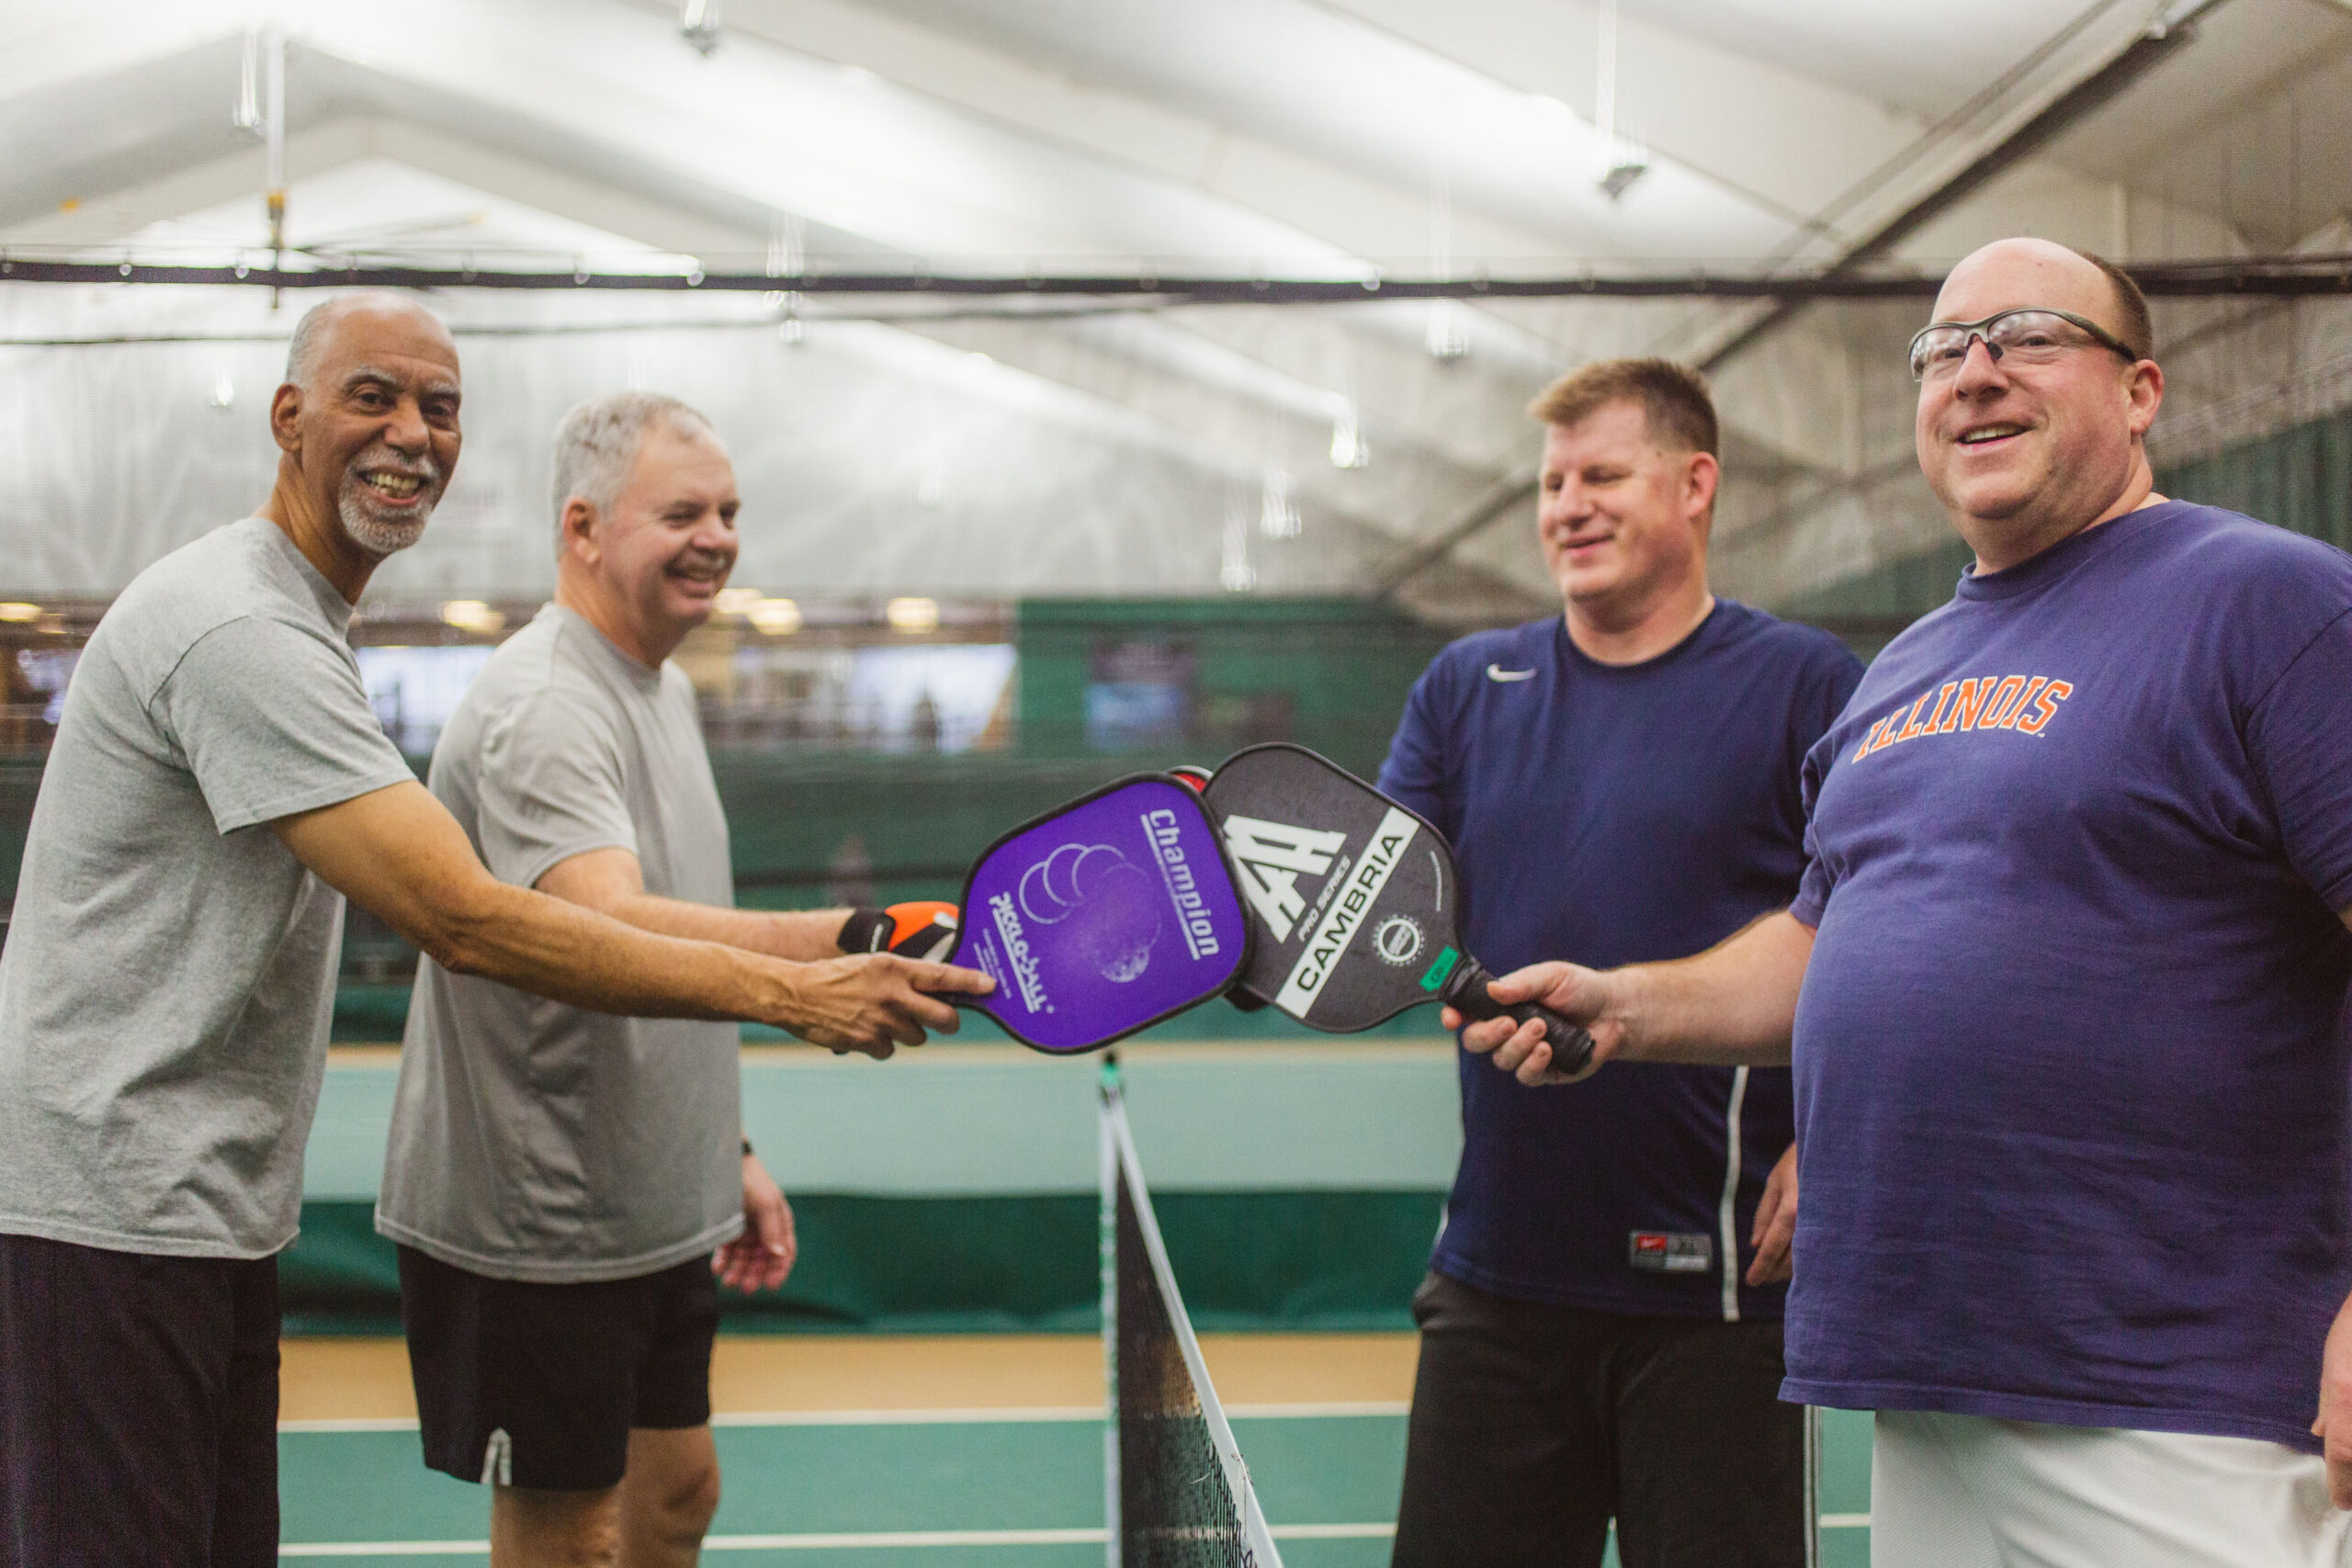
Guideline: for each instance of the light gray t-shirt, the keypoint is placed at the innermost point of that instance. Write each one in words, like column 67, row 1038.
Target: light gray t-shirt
column 536, row 1141
column 169, row 977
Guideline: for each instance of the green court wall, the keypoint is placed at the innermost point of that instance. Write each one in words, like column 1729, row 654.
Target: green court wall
column 1322, row 1260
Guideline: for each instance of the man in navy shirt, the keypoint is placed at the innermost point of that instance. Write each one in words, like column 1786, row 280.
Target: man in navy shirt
column 2066, row 984
column 1621, row 781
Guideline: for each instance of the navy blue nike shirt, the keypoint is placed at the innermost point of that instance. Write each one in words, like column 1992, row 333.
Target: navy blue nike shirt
column 1617, row 814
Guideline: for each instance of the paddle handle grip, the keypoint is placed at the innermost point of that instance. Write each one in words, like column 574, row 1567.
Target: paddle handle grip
column 1465, row 993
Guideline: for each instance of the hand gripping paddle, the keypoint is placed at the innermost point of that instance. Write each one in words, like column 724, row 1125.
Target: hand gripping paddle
column 1352, row 900
column 1104, row 917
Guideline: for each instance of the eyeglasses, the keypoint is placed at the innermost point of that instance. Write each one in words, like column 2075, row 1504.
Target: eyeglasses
column 2037, row 335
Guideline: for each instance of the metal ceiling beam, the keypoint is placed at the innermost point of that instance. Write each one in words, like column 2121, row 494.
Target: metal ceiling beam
column 2278, row 276
column 1500, row 499
column 2171, row 32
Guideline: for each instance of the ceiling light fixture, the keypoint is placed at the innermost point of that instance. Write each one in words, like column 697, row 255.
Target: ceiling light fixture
column 735, row 601
column 912, row 616
column 472, row 616
column 20, row 612
column 1278, row 515
column 1234, row 571
column 775, row 617
column 1449, row 334
column 1348, row 447
column 698, row 25
column 1622, row 161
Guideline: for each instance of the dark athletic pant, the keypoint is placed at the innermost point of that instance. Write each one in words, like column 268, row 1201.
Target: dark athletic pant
column 1533, row 1425
column 138, row 1409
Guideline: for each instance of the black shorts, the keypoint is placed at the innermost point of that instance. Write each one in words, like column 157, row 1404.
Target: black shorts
column 526, row 1384
column 138, row 1408
column 1533, row 1425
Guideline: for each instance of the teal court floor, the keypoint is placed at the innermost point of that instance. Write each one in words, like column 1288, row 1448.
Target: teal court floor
column 973, row 1485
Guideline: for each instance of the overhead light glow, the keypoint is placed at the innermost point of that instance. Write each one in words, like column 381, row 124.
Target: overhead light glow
column 1277, row 509
column 472, row 616
column 1449, row 333
column 16, row 611
column 698, row 25
column 913, row 615
column 1348, row 448
column 776, row 618
column 735, row 601
column 1234, row 572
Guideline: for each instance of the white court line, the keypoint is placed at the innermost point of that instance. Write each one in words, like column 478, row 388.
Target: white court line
column 900, row 1540
column 1009, row 1414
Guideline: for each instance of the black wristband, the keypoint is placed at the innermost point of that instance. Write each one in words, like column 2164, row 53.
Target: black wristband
column 747, row 1148
column 866, row 931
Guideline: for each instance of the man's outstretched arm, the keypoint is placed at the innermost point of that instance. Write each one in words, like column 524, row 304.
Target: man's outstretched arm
column 398, row 853
column 1736, row 1003
column 612, row 882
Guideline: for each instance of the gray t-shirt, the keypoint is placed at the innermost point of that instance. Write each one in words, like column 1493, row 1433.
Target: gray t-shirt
column 169, row 975
column 536, row 1141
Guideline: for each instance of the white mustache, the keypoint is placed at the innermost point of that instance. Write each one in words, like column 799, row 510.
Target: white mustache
column 384, row 460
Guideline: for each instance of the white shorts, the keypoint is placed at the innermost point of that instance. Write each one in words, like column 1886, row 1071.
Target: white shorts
column 1972, row 1492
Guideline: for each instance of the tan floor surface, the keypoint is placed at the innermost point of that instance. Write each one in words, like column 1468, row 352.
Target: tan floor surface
column 369, row 1379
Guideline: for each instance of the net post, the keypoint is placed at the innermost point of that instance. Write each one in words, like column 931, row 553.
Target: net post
column 1106, row 1088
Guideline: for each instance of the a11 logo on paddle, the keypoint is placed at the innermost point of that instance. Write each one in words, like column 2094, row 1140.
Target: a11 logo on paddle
column 1273, row 856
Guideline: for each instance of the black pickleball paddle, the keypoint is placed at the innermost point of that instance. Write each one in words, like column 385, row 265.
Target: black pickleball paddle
column 1352, row 900
column 1102, row 917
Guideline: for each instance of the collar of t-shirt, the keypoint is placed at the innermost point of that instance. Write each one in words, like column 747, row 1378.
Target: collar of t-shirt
column 645, row 677
column 1696, row 638
column 331, row 602
column 2062, row 559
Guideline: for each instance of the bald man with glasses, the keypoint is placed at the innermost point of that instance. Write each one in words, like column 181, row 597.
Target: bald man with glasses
column 2065, row 990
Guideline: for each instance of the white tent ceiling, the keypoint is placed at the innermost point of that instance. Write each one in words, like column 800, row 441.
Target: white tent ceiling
column 1096, row 450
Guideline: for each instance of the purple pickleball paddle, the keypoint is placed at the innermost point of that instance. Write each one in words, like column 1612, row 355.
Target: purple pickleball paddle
column 1104, row 917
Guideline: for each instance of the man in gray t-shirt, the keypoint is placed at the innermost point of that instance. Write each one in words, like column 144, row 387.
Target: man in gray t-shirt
column 218, row 786
column 557, row 1178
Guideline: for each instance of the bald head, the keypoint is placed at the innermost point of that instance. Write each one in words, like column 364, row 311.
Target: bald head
column 2008, row 273
column 2030, row 445
column 322, row 324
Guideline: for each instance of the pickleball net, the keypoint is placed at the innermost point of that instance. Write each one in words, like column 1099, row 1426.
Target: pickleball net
column 1176, row 1492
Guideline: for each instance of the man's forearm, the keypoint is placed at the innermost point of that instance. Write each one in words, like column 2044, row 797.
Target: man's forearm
column 573, row 954
column 801, row 935
column 1734, row 1004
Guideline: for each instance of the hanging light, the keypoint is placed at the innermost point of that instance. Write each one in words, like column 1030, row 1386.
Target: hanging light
column 1622, row 161
column 1449, row 333
column 1278, row 515
column 472, row 616
column 912, row 616
column 1348, row 448
column 698, row 25
column 1234, row 571
column 774, row 617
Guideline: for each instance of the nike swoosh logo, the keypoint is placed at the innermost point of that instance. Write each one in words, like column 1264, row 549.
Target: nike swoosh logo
column 1501, row 676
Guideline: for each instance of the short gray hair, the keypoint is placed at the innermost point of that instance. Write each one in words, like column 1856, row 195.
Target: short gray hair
column 597, row 444
column 310, row 336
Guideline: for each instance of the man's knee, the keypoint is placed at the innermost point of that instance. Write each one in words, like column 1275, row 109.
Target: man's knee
column 684, row 1502
column 534, row 1528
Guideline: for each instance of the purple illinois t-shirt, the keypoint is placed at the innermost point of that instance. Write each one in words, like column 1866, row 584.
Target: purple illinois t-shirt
column 2074, row 1089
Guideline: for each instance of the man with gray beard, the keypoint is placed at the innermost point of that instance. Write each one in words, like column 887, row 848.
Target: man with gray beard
column 218, row 784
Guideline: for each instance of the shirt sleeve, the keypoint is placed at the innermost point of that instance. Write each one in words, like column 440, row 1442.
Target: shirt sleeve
column 1812, row 892
column 1415, row 774
column 2299, row 739
column 272, row 721
column 551, row 786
